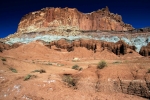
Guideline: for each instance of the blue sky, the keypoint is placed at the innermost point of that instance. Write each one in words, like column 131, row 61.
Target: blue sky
column 133, row 12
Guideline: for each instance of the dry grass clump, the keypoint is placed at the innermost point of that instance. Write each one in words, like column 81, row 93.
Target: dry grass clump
column 101, row 65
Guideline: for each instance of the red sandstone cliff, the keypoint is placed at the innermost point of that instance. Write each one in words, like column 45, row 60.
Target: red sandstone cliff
column 70, row 19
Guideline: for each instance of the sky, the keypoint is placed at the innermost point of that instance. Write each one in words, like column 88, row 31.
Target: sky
column 134, row 12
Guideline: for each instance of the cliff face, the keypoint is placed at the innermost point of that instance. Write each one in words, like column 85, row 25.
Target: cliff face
column 70, row 19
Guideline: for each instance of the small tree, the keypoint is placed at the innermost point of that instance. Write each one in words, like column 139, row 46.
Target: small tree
column 101, row 65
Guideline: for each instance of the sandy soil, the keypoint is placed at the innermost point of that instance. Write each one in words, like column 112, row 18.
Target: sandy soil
column 89, row 84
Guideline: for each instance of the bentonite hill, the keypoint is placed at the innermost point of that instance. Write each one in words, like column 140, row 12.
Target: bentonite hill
column 64, row 54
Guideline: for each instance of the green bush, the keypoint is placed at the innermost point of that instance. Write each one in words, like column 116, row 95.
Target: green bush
column 69, row 79
column 76, row 67
column 3, row 59
column 101, row 65
column 13, row 70
column 40, row 71
column 27, row 77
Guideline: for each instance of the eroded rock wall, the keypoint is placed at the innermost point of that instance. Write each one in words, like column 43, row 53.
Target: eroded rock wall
column 58, row 20
column 4, row 46
column 117, row 48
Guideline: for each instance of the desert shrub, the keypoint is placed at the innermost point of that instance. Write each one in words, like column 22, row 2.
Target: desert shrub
column 40, row 71
column 116, row 62
column 69, row 80
column 76, row 67
column 101, row 65
column 148, row 71
column 3, row 59
column 27, row 77
column 13, row 70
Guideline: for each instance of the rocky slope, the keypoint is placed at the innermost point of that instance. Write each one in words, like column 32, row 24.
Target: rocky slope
column 59, row 20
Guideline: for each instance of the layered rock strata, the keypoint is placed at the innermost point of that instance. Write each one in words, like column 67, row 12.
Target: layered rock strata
column 58, row 20
column 119, row 48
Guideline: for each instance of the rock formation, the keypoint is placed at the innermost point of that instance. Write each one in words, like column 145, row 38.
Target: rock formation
column 141, row 30
column 145, row 50
column 4, row 46
column 117, row 48
column 58, row 20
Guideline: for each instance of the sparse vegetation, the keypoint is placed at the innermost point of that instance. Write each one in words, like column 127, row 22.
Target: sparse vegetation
column 76, row 67
column 3, row 59
column 27, row 77
column 69, row 80
column 116, row 62
column 40, row 71
column 13, row 70
column 101, row 65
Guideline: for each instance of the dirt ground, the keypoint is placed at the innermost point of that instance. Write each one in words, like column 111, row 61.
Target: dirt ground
column 125, row 77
